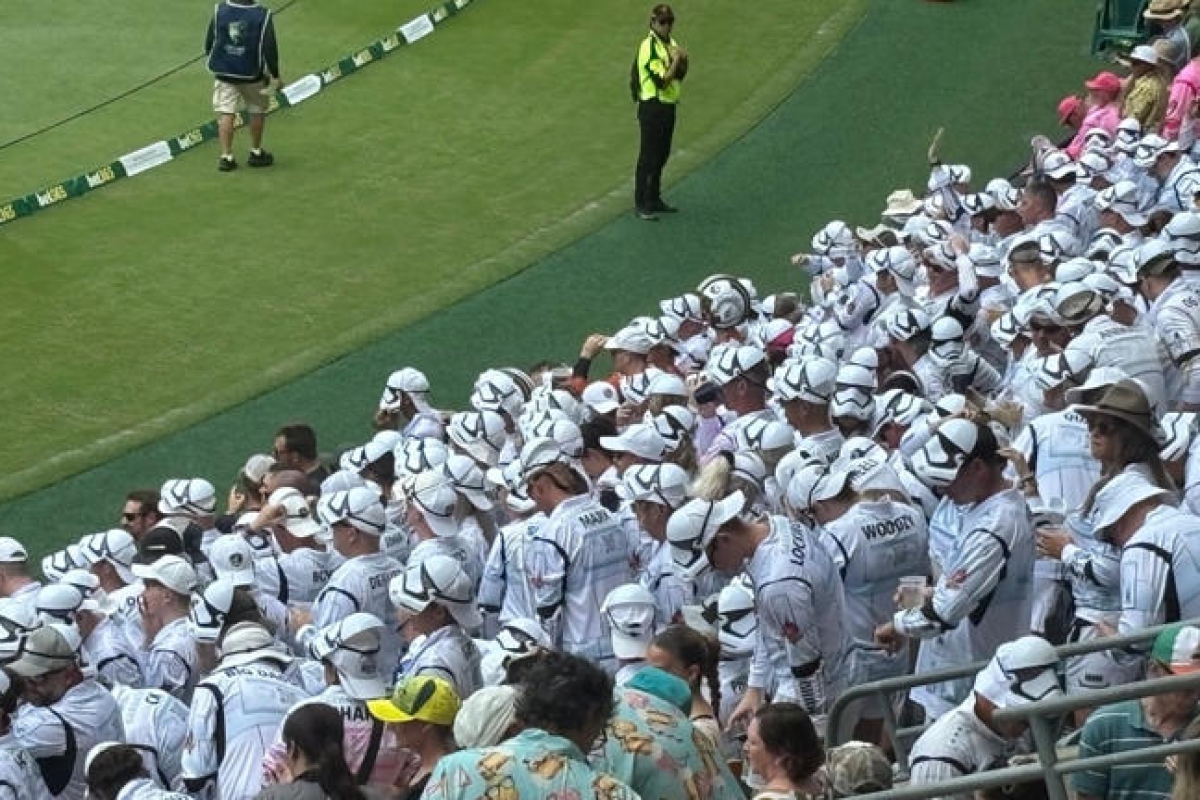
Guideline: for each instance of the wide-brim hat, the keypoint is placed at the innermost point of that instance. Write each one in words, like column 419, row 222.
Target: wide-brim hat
column 1125, row 400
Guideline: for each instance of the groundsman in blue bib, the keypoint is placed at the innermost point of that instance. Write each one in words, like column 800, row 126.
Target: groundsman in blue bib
column 244, row 60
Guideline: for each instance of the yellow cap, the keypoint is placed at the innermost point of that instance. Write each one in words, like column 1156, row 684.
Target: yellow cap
column 421, row 698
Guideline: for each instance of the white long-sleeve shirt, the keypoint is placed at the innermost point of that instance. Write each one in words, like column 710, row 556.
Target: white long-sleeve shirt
column 802, row 612
column 982, row 597
column 233, row 719
column 580, row 555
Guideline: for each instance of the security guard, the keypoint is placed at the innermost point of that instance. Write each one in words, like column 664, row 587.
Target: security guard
column 660, row 68
column 243, row 58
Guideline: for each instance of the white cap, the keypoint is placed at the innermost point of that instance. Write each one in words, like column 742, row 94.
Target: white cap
column 58, row 602
column 727, row 363
column 538, row 454
column 813, row 380
column 352, row 646
column 1022, row 672
column 434, row 496
column 188, row 496
column 693, row 527
column 247, row 642
column 938, row 461
column 497, row 391
column 209, row 610
column 404, row 381
column 601, row 397
column 667, row 383
column 467, row 479
column 641, row 440
column 1058, row 164
column 257, row 466
column 1178, row 429
column 381, row 444
column 737, row 624
column 683, row 307
column 298, row 518
column 1120, row 494
column 173, row 572
column 481, row 434
column 437, row 579
column 1144, row 53
column 415, row 455
column 118, row 547
column 630, row 610
column 12, row 551
column 664, row 484
column 18, row 618
column 232, row 557
column 904, row 325
column 47, row 649
column 485, row 717
column 358, row 507
column 521, row 634
column 632, row 338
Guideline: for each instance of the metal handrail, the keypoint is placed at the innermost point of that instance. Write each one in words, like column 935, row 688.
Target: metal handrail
column 839, row 729
column 1029, row 773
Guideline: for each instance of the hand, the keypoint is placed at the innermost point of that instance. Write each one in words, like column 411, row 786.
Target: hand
column 799, row 259
column 888, row 638
column 959, row 244
column 236, row 501
column 751, row 701
column 1052, row 541
column 298, row 618
column 593, row 345
column 625, row 415
column 680, row 54
column 1017, row 459
column 267, row 515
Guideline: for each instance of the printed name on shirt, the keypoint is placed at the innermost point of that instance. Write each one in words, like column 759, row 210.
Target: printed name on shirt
column 799, row 551
column 886, row 528
column 381, row 581
column 593, row 518
column 355, row 714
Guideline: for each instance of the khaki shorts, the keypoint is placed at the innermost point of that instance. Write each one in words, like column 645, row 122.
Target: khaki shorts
column 230, row 98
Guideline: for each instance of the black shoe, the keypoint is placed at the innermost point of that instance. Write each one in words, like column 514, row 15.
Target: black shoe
column 260, row 159
column 646, row 214
column 662, row 208
column 226, row 164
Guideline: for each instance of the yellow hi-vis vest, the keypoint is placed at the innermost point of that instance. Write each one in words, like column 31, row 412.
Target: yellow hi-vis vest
column 652, row 61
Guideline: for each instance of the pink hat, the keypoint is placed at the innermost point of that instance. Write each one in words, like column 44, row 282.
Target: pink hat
column 1105, row 82
column 1068, row 106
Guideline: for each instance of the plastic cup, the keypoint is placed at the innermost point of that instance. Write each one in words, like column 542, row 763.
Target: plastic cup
column 912, row 591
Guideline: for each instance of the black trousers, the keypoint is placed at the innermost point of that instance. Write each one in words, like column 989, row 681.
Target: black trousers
column 657, row 123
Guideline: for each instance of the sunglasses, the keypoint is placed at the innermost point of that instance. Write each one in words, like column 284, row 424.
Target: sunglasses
column 665, row 21
column 130, row 516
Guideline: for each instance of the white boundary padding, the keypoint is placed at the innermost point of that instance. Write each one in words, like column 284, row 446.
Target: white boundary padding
column 417, row 28
column 299, row 91
column 148, row 157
